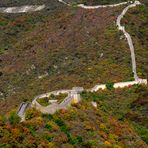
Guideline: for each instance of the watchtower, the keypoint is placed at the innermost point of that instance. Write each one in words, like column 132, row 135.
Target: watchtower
column 75, row 94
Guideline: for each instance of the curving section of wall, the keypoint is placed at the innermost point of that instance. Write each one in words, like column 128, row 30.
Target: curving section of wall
column 102, row 6
column 94, row 7
column 22, row 109
column 128, row 37
column 120, row 84
column 22, row 9
column 73, row 96
column 120, row 27
column 51, row 109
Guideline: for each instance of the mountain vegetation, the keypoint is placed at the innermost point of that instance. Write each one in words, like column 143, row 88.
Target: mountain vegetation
column 73, row 47
column 120, row 120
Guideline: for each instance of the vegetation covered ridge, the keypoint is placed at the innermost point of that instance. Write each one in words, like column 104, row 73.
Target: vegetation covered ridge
column 121, row 85
column 119, row 120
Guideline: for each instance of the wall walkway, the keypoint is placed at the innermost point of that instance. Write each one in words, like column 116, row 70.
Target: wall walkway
column 22, row 9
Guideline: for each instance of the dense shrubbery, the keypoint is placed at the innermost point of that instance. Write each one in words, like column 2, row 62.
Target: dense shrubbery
column 82, row 125
column 130, row 103
column 43, row 101
column 142, row 131
column 31, row 113
column 93, row 96
column 14, row 118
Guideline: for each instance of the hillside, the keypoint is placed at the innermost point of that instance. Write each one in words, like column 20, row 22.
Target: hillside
column 135, row 24
column 118, row 121
column 67, row 53
column 51, row 2
column 75, row 47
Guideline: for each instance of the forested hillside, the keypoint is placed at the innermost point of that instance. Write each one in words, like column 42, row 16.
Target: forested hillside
column 75, row 47
column 61, row 47
column 120, row 120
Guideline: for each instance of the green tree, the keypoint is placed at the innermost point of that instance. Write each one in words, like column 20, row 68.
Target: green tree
column 110, row 85
column 14, row 118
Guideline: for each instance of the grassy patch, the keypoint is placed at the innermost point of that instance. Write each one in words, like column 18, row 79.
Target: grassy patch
column 43, row 101
column 59, row 97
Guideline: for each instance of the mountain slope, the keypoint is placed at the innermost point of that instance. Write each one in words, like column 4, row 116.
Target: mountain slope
column 75, row 47
column 82, row 125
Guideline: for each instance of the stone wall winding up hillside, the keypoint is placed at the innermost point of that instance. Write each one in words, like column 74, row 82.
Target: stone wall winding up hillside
column 55, row 67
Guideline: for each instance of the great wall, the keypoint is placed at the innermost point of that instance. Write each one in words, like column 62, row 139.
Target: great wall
column 74, row 94
column 22, row 9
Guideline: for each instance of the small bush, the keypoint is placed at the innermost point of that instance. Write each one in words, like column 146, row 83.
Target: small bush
column 110, row 85
column 79, row 138
column 48, row 116
column 47, row 137
column 14, row 118
column 31, row 113
column 31, row 129
column 73, row 140
column 90, row 144
column 5, row 146
column 2, row 120
column 48, row 126
column 60, row 122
